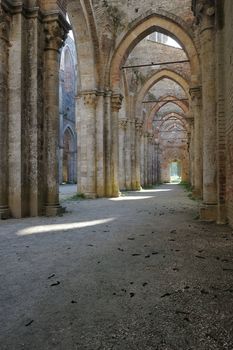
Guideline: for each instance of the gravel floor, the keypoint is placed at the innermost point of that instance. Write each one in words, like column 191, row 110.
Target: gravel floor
column 137, row 272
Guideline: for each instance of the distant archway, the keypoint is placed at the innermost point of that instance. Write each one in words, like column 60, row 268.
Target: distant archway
column 69, row 173
column 143, row 27
column 155, row 78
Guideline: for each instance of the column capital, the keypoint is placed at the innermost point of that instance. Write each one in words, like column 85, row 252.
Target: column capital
column 55, row 35
column 204, row 11
column 123, row 123
column 196, row 94
column 4, row 26
column 89, row 97
column 150, row 137
column 116, row 102
column 138, row 124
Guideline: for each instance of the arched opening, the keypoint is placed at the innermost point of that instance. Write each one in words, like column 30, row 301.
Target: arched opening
column 68, row 77
column 175, row 171
column 69, row 161
column 143, row 28
column 158, row 79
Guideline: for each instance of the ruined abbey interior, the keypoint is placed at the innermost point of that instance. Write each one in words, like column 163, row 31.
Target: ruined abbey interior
column 110, row 111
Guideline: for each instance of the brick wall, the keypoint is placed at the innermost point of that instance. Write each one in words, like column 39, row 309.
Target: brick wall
column 228, row 60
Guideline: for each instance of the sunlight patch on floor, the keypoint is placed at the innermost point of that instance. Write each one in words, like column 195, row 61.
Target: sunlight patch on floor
column 60, row 227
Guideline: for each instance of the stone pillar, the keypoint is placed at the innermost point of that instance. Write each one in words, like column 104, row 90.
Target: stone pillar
column 138, row 125
column 157, row 161
column 146, row 159
column 116, row 105
column 100, row 164
column 150, row 160
column 107, row 143
column 154, row 165
column 128, row 160
column 122, row 162
column 196, row 105
column 205, row 11
column 142, row 161
column 4, row 210
column 89, row 101
column 191, row 153
column 133, row 154
column 54, row 36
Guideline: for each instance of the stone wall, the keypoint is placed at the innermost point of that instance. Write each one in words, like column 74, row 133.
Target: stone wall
column 226, row 25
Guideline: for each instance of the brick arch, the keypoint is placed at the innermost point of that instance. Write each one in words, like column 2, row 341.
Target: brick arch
column 144, row 27
column 159, row 105
column 178, row 117
column 86, row 40
column 155, row 78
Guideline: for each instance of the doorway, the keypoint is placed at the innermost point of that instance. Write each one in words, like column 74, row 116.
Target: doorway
column 175, row 172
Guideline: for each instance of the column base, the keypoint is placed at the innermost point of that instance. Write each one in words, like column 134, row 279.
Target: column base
column 197, row 193
column 4, row 213
column 54, row 210
column 90, row 195
column 116, row 194
column 222, row 218
column 208, row 212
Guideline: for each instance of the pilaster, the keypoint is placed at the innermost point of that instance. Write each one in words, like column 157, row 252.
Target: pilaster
column 116, row 101
column 205, row 14
column 122, row 156
column 55, row 35
column 4, row 45
column 196, row 106
column 138, row 127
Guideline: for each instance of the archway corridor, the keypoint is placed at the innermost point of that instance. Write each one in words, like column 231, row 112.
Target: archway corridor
column 135, row 272
column 116, row 174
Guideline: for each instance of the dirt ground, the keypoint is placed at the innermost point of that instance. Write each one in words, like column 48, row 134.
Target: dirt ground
column 139, row 272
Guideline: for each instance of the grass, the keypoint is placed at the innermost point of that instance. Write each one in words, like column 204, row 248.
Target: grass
column 77, row 197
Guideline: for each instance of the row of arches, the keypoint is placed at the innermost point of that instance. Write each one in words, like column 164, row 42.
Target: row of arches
column 120, row 134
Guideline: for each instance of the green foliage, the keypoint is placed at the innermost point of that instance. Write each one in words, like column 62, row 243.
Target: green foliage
column 77, row 197
column 187, row 186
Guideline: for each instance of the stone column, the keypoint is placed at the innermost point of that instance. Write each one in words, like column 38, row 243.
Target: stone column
column 154, row 164
column 196, row 105
column 150, row 160
column 54, row 37
column 191, row 152
column 107, row 143
column 189, row 156
column 205, row 11
column 128, row 159
column 138, row 125
column 100, row 164
column 89, row 100
column 133, row 154
column 116, row 105
column 4, row 210
column 142, row 161
column 122, row 170
column 157, row 161
column 146, row 159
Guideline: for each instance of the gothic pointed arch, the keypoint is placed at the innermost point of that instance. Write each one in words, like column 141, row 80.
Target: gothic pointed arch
column 171, row 26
